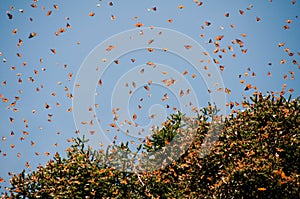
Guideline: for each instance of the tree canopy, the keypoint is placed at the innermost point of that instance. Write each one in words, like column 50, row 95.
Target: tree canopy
column 257, row 155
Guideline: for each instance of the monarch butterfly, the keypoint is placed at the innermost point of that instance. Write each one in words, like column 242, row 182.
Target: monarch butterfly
column 10, row 16
column 113, row 125
column 222, row 68
column 110, row 47
column 188, row 47
column 286, row 27
column 139, row 24
column 53, row 51
column 207, row 23
column 55, row 6
column 220, row 37
column 31, row 35
column 49, row 13
column 92, row 14
column 147, row 88
column 261, row 189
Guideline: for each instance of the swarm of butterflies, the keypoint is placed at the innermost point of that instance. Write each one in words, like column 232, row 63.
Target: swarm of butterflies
column 11, row 103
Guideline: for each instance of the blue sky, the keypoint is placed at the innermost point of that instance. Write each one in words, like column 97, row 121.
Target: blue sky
column 73, row 47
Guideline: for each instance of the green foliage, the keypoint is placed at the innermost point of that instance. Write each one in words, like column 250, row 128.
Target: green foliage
column 165, row 135
column 257, row 155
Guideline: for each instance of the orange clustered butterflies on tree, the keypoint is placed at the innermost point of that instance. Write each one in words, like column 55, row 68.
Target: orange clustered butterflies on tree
column 243, row 149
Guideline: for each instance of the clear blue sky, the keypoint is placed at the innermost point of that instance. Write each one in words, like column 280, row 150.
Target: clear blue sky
column 260, row 38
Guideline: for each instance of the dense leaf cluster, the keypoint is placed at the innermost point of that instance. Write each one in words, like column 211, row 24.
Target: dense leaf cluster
column 257, row 155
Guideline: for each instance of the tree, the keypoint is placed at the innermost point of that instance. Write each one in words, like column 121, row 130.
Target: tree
column 257, row 155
